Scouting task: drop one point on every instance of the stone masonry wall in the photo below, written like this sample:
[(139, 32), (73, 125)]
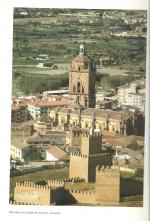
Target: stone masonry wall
[(95, 160), (83, 196), (29, 193), (130, 187), (91, 144), (107, 188), (78, 166)]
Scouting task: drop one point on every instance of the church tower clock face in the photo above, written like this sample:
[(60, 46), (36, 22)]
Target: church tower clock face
[(82, 80)]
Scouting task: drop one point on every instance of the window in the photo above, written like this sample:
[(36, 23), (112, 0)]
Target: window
[(74, 88), (85, 101), (79, 68), (82, 89), (78, 87)]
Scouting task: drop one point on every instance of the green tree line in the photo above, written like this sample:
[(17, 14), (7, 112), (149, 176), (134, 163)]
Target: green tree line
[(34, 84), (37, 84), (108, 82)]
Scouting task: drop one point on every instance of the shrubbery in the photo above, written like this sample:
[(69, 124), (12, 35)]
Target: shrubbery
[(34, 84)]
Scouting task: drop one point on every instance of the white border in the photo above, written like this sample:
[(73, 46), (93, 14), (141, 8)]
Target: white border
[(67, 213)]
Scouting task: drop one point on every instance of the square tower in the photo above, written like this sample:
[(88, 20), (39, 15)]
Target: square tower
[(107, 185), (84, 164), (91, 143), (82, 80)]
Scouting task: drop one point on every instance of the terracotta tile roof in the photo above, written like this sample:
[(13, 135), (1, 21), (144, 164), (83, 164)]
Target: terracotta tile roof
[(57, 152), (48, 103), (106, 114)]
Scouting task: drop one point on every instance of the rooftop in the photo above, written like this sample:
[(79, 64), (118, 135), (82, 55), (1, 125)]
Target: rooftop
[(57, 152), (125, 140), (47, 103), (18, 143), (76, 129), (106, 114), (82, 58)]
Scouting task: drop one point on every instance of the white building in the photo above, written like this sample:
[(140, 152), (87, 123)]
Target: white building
[(135, 99), (42, 57), (100, 95), (132, 94), (55, 153), (38, 108), (18, 148)]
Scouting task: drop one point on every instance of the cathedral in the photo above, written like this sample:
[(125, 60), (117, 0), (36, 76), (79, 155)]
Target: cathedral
[(81, 107)]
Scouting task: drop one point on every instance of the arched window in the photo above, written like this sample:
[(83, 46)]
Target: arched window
[(74, 88), (82, 89), (78, 87)]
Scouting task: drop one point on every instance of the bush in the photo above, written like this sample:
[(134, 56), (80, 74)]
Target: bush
[(34, 84), (32, 154)]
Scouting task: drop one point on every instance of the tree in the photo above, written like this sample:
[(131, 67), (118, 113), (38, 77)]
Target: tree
[(33, 154)]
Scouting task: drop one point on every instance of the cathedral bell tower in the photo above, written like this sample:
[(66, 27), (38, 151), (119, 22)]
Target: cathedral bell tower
[(82, 80)]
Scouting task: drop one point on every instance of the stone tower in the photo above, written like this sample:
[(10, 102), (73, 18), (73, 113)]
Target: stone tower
[(84, 164), (82, 80), (107, 185)]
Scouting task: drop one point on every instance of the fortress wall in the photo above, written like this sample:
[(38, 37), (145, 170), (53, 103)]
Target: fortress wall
[(107, 188), (58, 196), (29, 193), (130, 187), (78, 166), (55, 183), (83, 196), (95, 160), (61, 183)]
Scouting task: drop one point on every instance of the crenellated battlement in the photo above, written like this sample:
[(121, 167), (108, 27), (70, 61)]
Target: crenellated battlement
[(130, 180), (82, 192), (87, 134), (74, 180), (55, 183), (107, 169), (100, 155), (32, 185), (79, 155), (24, 203), (61, 183)]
